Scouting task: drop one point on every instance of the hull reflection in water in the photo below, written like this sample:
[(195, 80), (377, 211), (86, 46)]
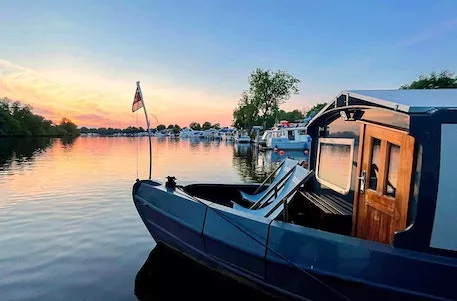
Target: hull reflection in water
[(168, 275)]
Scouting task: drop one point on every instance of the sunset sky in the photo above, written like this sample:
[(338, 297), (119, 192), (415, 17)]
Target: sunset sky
[(81, 59)]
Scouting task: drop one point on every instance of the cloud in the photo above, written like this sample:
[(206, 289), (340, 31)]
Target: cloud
[(92, 99), (431, 33)]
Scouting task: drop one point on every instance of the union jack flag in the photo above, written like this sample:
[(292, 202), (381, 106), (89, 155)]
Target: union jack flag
[(137, 101)]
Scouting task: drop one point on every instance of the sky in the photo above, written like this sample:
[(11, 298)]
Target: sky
[(81, 59)]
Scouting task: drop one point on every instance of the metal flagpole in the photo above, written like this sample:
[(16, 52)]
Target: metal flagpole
[(149, 132)]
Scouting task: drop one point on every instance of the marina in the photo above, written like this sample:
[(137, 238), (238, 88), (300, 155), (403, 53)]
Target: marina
[(221, 150)]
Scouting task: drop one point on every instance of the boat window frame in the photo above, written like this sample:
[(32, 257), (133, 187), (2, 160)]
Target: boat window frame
[(337, 141)]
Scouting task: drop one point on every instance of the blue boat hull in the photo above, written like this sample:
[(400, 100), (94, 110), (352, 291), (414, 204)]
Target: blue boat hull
[(289, 260)]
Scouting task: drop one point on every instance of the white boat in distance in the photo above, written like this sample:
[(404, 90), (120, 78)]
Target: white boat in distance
[(186, 133), (242, 137), (288, 138)]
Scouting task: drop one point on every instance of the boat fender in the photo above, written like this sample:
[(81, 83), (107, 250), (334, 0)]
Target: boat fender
[(306, 151), (170, 183), (275, 149), (281, 153)]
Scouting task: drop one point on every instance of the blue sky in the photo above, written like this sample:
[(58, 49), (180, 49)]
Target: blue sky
[(206, 49)]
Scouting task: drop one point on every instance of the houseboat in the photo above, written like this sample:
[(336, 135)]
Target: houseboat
[(241, 136), (186, 133), (288, 138), (372, 216), (196, 134)]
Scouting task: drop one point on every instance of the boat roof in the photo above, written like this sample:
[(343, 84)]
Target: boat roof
[(408, 101)]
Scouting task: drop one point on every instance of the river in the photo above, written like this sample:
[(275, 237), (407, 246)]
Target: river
[(68, 226)]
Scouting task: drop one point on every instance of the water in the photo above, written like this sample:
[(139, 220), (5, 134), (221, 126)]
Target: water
[(68, 226)]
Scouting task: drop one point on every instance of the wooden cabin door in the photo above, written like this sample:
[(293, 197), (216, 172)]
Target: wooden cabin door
[(384, 183)]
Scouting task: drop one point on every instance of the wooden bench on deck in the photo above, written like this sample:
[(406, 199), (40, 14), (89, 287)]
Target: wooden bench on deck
[(330, 212)]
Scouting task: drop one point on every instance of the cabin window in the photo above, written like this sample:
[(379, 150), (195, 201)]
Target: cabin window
[(301, 132), (334, 163), (291, 135), (392, 172), (374, 168)]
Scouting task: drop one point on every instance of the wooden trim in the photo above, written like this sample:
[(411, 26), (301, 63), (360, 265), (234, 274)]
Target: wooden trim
[(395, 208), (394, 129), (404, 186), (357, 175)]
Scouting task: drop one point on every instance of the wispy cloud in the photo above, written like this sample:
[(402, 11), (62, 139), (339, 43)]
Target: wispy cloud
[(90, 99), (430, 33)]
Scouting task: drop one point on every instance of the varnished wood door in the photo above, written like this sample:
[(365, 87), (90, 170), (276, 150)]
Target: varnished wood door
[(384, 184)]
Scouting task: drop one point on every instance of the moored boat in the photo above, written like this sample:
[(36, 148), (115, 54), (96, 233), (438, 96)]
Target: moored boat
[(242, 136), (288, 138), (381, 228), (185, 133)]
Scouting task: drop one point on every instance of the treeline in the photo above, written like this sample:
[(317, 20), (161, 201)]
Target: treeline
[(111, 131), (193, 125), (205, 126), (17, 119)]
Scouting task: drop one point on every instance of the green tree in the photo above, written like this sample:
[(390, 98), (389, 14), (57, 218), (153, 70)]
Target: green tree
[(195, 126), (315, 109), (161, 127), (170, 126), (443, 80), (69, 128), (291, 116), (217, 126), (206, 125), (246, 114), (176, 129), (267, 91), (17, 119)]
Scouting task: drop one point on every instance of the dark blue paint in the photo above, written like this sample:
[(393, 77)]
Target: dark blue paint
[(348, 260)]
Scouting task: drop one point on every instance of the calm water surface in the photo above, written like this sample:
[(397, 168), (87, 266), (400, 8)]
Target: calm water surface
[(68, 226)]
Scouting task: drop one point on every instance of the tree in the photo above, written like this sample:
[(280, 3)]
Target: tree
[(315, 109), (206, 125), (195, 126), (217, 126), (68, 127), (443, 80), (246, 114), (291, 116), (160, 127), (17, 119), (170, 126), (267, 91), (176, 129)]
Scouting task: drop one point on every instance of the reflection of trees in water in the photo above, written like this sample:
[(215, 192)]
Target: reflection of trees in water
[(22, 150), (254, 166), (68, 141), (244, 160)]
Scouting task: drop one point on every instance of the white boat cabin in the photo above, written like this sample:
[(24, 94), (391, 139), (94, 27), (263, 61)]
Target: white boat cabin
[(287, 138), (385, 168)]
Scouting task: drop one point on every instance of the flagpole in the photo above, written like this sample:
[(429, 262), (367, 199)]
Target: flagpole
[(149, 132)]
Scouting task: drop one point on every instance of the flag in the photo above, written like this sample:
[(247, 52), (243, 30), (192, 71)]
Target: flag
[(138, 100)]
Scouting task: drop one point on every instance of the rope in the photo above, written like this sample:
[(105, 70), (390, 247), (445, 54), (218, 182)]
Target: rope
[(339, 294)]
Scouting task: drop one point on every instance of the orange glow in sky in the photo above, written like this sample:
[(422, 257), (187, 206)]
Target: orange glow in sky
[(94, 101)]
